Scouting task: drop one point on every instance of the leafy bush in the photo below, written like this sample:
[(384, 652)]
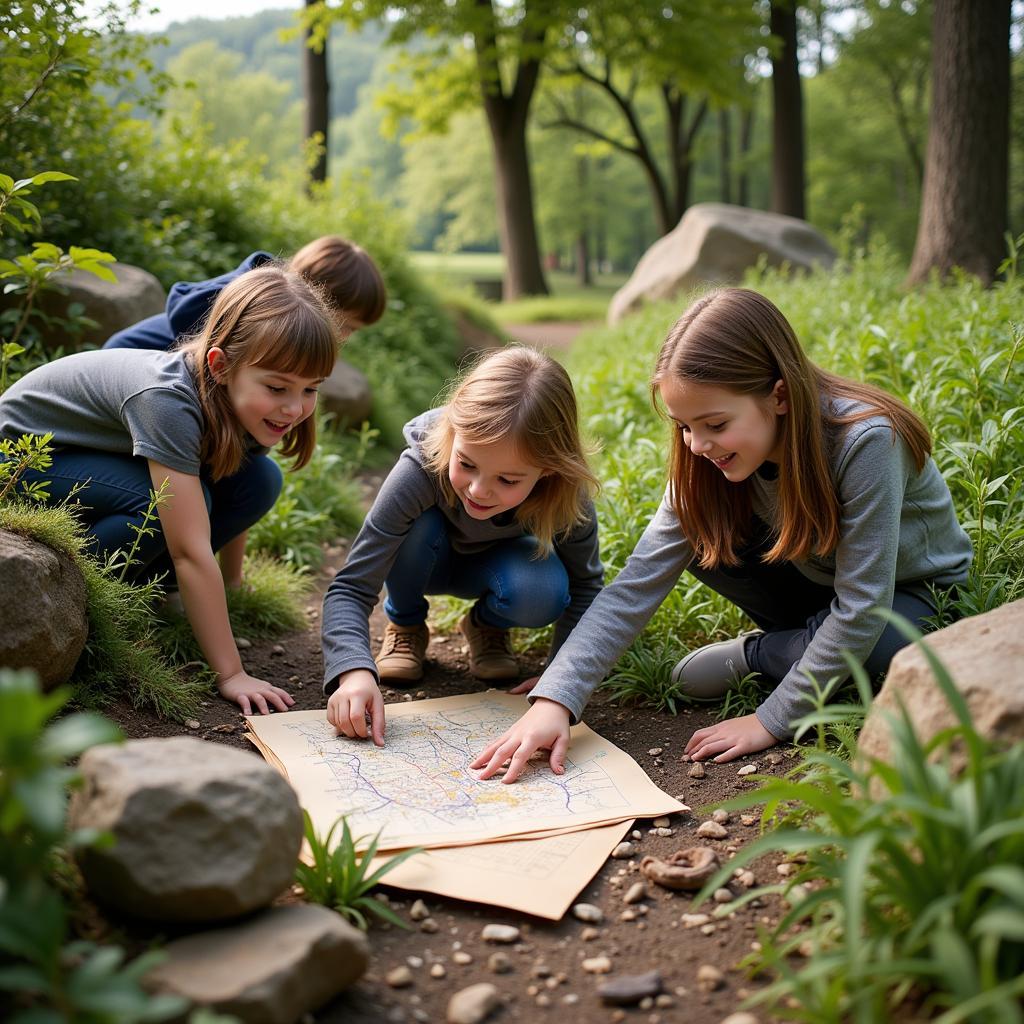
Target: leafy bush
[(45, 977), (912, 894)]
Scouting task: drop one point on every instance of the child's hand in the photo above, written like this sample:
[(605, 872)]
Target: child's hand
[(356, 696), (526, 685), (729, 739), (246, 690), (544, 727)]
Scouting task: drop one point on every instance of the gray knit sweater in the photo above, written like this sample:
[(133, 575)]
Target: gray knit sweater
[(406, 493), (898, 527)]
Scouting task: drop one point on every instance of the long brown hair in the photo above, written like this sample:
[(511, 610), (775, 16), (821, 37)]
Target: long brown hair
[(523, 395), (269, 317), (738, 340)]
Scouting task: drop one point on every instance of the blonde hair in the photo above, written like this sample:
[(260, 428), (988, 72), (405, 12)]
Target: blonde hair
[(348, 274), (738, 340), (270, 317), (522, 395)]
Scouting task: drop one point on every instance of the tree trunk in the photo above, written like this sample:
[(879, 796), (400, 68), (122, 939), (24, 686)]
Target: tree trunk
[(788, 115), (725, 154), (316, 87), (964, 198), (746, 138), (583, 277)]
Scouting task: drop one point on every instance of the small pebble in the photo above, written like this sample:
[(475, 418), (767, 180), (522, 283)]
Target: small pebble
[(192, 724), (418, 911), (499, 963), (624, 851), (773, 757), (597, 965), (721, 816), (429, 925), (631, 989), (723, 895), (540, 970), (242, 644), (438, 971), (708, 929), (709, 978), (697, 770), (654, 751), (636, 892), (460, 956), (664, 831), (712, 830), (747, 769), (740, 1018), (785, 868), (628, 915), (588, 912), (570, 999), (399, 977), (500, 933), (589, 934), (662, 822), (543, 999), (748, 819), (637, 834), (694, 920), (277, 650), (747, 879), (414, 961), (664, 1001), (472, 1005)]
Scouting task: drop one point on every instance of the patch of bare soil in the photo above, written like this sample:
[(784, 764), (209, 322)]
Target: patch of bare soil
[(541, 976)]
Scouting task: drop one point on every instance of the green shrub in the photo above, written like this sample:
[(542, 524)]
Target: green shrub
[(912, 894), (45, 976)]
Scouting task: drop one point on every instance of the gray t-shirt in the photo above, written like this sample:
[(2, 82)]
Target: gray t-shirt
[(898, 527), (129, 401), (406, 493)]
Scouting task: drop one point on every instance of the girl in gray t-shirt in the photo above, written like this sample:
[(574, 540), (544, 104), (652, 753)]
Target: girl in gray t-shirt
[(806, 499), (196, 423)]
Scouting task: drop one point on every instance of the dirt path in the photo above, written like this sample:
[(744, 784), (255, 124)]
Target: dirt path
[(546, 335), (545, 977)]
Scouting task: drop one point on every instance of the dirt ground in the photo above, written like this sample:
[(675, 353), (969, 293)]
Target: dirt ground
[(544, 977)]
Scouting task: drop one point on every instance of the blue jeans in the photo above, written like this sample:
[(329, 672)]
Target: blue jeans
[(115, 491), (512, 587), (790, 609)]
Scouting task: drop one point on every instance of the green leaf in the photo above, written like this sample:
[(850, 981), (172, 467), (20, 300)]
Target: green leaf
[(47, 176), (70, 736)]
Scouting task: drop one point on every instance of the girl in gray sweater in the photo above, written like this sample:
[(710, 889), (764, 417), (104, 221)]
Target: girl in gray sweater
[(807, 499)]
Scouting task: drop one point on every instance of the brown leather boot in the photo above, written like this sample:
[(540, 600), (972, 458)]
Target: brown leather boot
[(402, 652), (490, 656)]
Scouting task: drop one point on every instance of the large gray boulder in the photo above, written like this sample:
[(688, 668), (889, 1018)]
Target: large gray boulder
[(113, 305), (270, 969), (984, 655), (347, 394), (202, 832), (715, 243), (43, 622)]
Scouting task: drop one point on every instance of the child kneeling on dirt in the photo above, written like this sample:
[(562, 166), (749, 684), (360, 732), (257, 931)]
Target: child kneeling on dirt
[(492, 500)]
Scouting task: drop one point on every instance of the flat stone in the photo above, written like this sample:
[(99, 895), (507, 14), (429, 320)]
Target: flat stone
[(272, 968), (712, 830), (597, 965), (694, 920), (740, 1018), (624, 851), (630, 989), (202, 832), (500, 933), (588, 912), (747, 769), (473, 1004), (697, 770)]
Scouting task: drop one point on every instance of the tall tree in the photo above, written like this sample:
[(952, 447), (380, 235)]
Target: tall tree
[(677, 54), (788, 183), (486, 53), (964, 199), (316, 87)]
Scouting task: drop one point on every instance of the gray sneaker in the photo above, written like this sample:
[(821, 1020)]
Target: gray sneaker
[(714, 669)]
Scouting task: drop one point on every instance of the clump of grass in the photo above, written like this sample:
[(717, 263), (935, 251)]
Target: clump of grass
[(121, 659), (337, 877), (912, 894)]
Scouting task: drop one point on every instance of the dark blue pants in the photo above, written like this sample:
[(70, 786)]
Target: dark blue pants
[(153, 333), (114, 492), (790, 609), (512, 587)]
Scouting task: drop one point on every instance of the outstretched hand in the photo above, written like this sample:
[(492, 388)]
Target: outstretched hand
[(725, 741), (544, 727), (356, 698), (247, 692)]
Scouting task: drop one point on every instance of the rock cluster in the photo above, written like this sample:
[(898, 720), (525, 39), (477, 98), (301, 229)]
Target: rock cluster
[(209, 835)]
